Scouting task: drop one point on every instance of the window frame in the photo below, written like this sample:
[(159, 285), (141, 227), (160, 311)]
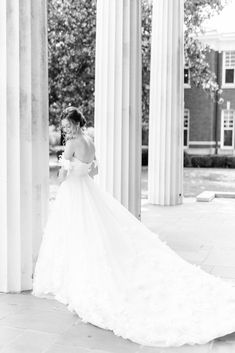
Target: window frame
[(225, 84), (187, 85), (187, 129), (222, 146)]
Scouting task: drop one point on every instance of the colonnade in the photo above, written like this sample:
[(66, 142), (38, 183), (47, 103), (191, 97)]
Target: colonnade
[(24, 172)]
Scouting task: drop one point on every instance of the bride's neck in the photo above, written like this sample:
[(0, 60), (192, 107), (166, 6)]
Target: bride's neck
[(77, 134)]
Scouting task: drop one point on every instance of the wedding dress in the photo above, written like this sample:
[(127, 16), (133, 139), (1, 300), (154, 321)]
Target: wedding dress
[(106, 266)]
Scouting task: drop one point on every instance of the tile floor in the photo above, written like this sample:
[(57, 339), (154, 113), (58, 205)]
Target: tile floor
[(202, 233)]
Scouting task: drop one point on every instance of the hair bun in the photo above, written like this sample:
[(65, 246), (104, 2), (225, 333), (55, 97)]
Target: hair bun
[(74, 115)]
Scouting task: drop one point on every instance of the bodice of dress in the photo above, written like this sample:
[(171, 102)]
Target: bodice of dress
[(75, 166), (79, 168)]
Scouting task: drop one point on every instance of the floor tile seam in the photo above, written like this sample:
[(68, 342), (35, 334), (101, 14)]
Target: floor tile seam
[(35, 331), (75, 346), (38, 331), (48, 347), (13, 340)]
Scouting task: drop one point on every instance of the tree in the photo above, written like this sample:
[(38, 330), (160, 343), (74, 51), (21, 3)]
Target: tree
[(195, 13), (71, 41), (71, 46), (146, 56)]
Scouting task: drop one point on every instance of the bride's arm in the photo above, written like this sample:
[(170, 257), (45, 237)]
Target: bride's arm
[(69, 150), (65, 161)]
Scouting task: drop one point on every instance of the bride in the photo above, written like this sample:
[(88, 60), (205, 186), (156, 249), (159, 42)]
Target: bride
[(106, 266)]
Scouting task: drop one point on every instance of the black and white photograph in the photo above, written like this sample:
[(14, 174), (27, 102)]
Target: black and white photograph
[(117, 177)]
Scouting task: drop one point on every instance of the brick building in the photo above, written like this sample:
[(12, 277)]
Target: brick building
[(209, 127)]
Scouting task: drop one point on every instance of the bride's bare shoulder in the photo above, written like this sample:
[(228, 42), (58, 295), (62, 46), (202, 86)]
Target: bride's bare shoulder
[(69, 149)]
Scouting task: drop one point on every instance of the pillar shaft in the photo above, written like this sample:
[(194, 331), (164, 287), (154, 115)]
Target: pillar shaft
[(118, 99), (166, 104), (23, 175)]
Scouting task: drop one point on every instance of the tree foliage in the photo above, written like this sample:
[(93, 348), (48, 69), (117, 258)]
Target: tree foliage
[(71, 39), (195, 13), (71, 42)]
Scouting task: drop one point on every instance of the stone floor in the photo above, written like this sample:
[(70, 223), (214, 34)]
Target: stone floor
[(202, 233)]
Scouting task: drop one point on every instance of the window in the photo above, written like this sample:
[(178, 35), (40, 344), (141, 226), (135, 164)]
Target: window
[(227, 129), (186, 78), (186, 127), (229, 68)]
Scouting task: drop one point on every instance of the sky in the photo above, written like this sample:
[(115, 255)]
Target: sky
[(225, 21)]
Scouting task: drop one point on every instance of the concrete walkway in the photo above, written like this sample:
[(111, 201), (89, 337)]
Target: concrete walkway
[(202, 233)]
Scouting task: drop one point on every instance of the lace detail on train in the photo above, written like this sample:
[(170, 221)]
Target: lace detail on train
[(105, 265)]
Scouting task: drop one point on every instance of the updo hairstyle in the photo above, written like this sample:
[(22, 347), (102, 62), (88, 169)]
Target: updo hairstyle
[(76, 121), (74, 115)]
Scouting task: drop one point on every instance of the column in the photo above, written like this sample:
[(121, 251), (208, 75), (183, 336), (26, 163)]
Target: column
[(118, 100), (165, 172), (23, 139)]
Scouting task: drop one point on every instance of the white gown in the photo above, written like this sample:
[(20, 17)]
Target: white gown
[(106, 266)]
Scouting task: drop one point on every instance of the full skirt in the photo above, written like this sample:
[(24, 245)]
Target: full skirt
[(106, 266)]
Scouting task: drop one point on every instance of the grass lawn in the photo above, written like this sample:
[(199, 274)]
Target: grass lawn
[(197, 180)]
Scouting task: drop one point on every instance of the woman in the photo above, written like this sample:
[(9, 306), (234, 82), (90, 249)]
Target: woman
[(106, 266)]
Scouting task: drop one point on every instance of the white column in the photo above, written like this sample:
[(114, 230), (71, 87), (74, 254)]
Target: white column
[(166, 104), (118, 99), (24, 146), (40, 116)]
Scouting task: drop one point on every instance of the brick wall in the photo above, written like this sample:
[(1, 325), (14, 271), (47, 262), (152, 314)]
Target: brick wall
[(203, 108)]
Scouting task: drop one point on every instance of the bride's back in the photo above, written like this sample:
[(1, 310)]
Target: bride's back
[(84, 148)]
